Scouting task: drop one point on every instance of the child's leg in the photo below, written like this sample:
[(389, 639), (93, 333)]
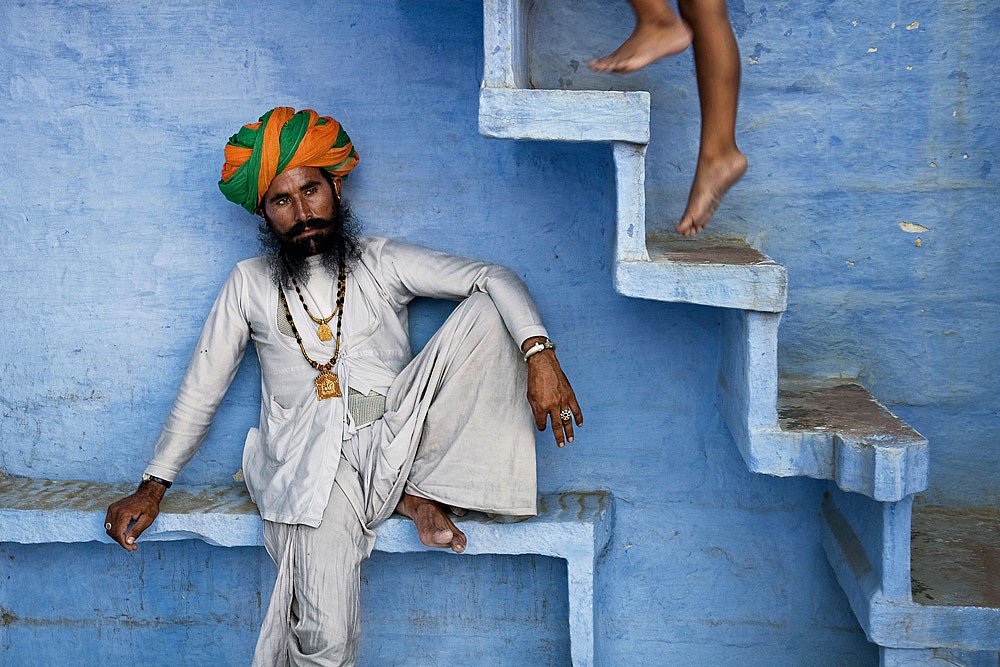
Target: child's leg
[(717, 63), (658, 32)]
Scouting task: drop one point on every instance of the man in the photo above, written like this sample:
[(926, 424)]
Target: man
[(351, 427)]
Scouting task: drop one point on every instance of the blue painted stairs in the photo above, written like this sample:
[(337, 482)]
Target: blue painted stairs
[(824, 429)]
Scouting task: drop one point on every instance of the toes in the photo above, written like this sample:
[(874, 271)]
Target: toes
[(458, 542), (606, 64), (626, 66)]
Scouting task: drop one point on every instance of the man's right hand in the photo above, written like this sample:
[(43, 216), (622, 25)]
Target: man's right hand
[(133, 514)]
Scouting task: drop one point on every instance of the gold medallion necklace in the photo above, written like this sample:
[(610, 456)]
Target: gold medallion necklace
[(327, 383), (323, 332)]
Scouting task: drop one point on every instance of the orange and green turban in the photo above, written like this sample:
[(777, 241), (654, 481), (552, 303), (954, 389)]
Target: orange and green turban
[(282, 139)]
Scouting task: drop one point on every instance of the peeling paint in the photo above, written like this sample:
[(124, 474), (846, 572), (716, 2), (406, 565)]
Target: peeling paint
[(848, 262), (911, 227), (913, 26), (741, 18), (919, 242), (758, 50), (873, 49)]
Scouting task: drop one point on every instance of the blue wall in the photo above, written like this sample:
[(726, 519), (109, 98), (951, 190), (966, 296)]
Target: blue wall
[(115, 240)]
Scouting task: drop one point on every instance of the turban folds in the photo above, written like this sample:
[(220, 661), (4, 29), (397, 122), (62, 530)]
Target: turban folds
[(281, 140)]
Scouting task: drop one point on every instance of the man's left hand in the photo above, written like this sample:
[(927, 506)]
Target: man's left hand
[(550, 395)]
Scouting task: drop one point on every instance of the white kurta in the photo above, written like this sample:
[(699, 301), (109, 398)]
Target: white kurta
[(456, 429), (290, 460)]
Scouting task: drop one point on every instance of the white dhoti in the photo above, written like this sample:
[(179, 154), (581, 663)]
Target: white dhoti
[(457, 429)]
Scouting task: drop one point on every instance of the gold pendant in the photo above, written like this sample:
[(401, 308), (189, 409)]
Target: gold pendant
[(327, 386), (324, 333)]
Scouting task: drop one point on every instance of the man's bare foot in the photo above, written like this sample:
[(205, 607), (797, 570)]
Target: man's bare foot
[(712, 180), (433, 525), (648, 42)]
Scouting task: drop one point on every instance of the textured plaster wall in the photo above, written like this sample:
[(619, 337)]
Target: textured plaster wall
[(115, 240)]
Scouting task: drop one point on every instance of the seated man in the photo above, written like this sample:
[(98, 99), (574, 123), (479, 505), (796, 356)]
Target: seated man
[(352, 427)]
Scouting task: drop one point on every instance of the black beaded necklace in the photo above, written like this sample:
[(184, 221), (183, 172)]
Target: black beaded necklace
[(327, 383), (323, 332)]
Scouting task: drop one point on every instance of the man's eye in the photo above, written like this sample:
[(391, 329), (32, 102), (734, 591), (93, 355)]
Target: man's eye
[(311, 191)]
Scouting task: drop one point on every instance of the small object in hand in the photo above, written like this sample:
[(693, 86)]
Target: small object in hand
[(566, 415)]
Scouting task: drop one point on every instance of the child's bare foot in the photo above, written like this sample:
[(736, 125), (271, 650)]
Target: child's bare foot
[(648, 42), (712, 180), (433, 525)]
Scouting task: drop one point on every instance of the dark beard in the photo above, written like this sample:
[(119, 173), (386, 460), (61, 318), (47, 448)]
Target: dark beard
[(337, 247)]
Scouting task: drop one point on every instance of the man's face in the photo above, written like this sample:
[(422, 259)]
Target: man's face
[(300, 206)]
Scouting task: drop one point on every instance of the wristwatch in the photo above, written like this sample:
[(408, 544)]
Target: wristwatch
[(146, 477)]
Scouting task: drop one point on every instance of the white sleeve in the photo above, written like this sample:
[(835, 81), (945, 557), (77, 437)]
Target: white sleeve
[(211, 370), (412, 271)]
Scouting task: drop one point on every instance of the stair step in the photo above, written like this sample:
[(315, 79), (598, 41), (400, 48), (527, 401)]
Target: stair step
[(842, 407), (871, 450), (888, 558), (955, 557), (711, 271), (564, 115)]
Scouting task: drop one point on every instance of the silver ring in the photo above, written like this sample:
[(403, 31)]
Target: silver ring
[(107, 526), (566, 415)]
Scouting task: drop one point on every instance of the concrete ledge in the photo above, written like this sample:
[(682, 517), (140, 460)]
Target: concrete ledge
[(572, 526), (37, 511), (874, 452), (834, 429), (725, 273), (564, 115)]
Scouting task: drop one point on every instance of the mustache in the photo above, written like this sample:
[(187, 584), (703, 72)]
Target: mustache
[(311, 223), (338, 246)]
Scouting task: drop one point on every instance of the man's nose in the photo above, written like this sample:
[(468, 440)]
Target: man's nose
[(302, 210)]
